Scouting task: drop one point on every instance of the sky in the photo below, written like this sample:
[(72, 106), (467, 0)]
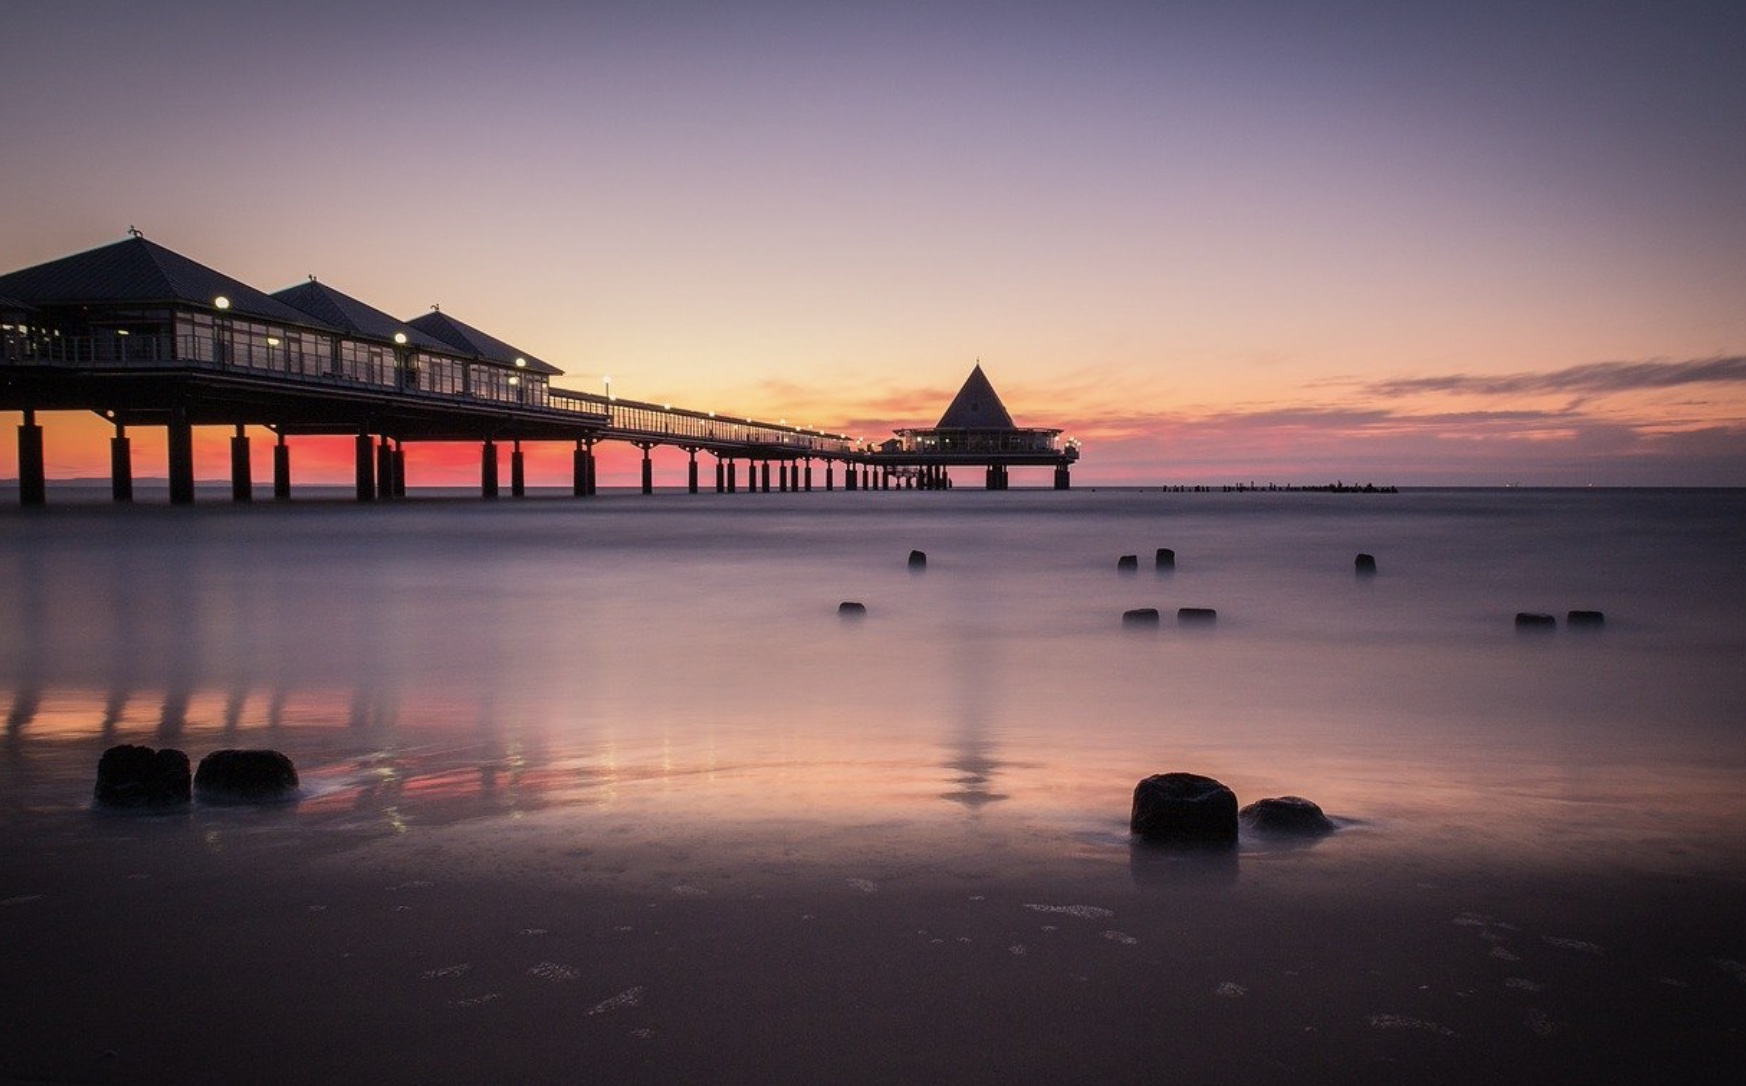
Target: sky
[(1276, 240)]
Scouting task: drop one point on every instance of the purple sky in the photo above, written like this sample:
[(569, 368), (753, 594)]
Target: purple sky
[(1414, 242)]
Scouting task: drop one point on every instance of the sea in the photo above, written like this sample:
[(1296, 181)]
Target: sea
[(612, 789), (675, 657)]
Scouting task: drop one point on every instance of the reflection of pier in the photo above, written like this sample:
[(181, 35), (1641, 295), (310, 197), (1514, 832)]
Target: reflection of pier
[(146, 337)]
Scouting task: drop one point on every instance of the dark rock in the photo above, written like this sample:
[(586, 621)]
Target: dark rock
[(1184, 808), (1535, 622), (851, 609), (1585, 620), (918, 560), (1128, 563), (1286, 815), (245, 776), (130, 776), (1364, 563), (1166, 558), (1140, 616), (1196, 616)]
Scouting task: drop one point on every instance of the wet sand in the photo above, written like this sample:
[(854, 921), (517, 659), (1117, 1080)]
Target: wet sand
[(262, 945)]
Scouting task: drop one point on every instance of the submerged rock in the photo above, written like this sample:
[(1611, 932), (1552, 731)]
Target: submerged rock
[(1166, 558), (1184, 808), (918, 560), (1140, 616), (132, 776), (246, 776), (1585, 620), (1291, 815), (1364, 563), (1534, 621), (852, 609)]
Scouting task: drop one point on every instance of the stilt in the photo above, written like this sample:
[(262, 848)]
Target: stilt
[(691, 471), (399, 469), (121, 465), (242, 483), (766, 487), (579, 472), (366, 467), (830, 475), (809, 476), (384, 470), (181, 459), (720, 475), (593, 467), (281, 470), (488, 469), (1063, 480), (782, 477), (648, 468), (517, 471), (32, 474)]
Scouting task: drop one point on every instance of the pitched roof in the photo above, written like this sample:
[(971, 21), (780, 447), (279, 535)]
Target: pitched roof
[(976, 407), (135, 270), (347, 313), (469, 340)]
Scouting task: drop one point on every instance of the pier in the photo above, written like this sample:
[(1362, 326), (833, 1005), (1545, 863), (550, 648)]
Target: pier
[(146, 337)]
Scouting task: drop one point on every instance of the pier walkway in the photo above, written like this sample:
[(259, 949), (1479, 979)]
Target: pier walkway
[(146, 337)]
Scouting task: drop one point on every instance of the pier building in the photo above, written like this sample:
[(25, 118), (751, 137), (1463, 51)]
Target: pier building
[(146, 337)]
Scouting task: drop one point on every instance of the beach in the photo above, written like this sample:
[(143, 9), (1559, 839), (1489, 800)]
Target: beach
[(607, 790)]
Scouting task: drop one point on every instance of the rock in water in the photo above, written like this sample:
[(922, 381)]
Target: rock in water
[(1196, 616), (1140, 616), (130, 776), (852, 609), (1166, 558), (918, 560), (1585, 620), (1364, 563), (1184, 808), (245, 776), (1128, 563), (1534, 622), (1291, 815)]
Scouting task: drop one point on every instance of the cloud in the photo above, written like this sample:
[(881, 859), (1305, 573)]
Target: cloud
[(1594, 377)]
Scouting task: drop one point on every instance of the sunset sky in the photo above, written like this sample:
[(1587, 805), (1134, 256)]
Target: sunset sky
[(1416, 243)]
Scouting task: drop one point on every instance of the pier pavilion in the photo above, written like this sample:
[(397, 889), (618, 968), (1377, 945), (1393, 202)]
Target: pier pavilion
[(977, 430), (146, 337)]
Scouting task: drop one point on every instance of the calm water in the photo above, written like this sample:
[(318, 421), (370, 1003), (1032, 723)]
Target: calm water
[(651, 663)]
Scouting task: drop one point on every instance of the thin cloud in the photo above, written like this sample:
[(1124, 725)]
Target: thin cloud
[(1604, 377)]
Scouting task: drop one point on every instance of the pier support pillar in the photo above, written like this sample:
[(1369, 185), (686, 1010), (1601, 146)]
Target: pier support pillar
[(181, 459), (848, 476), (691, 472), (281, 470), (488, 469), (648, 469), (32, 473), (121, 465), (1063, 480), (517, 472), (782, 477), (399, 470), (733, 485), (365, 463), (720, 476), (579, 472), (766, 486), (384, 470), (809, 476), (830, 475), (242, 482)]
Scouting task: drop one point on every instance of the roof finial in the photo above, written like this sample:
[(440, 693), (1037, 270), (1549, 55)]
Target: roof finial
[(312, 277), (436, 308), (134, 231)]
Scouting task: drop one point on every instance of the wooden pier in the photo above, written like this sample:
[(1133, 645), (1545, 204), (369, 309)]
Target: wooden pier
[(146, 337)]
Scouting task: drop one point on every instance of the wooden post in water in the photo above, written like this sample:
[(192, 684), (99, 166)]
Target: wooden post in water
[(121, 465)]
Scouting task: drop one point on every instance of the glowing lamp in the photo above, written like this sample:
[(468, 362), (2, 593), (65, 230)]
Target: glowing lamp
[(221, 302)]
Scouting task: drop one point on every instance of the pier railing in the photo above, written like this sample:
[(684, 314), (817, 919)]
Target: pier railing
[(618, 419)]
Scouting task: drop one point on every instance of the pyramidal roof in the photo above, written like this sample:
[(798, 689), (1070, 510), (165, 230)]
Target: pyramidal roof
[(345, 312), (135, 270), (469, 340), (976, 407)]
